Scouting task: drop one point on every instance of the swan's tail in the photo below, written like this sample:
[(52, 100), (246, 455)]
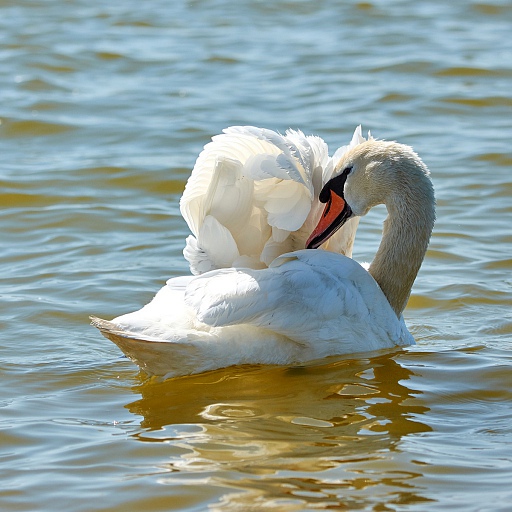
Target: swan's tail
[(107, 328), (153, 356)]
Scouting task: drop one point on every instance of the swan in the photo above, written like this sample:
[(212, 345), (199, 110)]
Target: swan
[(306, 304)]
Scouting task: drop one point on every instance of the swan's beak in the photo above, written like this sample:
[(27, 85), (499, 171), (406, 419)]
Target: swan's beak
[(336, 213)]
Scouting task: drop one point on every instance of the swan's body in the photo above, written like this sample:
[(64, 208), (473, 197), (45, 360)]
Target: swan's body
[(307, 304), (295, 311)]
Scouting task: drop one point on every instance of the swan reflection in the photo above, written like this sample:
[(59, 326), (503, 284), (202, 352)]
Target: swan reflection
[(316, 434)]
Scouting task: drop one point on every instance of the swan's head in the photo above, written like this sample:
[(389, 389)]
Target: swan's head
[(373, 172)]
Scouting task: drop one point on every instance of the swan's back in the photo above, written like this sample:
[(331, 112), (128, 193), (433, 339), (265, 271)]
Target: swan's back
[(253, 195)]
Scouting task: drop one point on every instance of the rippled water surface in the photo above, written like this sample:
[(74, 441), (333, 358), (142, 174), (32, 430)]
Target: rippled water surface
[(104, 108)]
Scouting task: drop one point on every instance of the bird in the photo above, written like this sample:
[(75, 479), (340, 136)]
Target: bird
[(307, 303)]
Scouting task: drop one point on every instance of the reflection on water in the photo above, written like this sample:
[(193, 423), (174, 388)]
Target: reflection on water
[(388, 430), (316, 434)]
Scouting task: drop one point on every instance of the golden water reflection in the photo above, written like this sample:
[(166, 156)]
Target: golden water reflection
[(315, 435)]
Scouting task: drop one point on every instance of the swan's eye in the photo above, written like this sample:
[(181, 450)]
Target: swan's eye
[(337, 184)]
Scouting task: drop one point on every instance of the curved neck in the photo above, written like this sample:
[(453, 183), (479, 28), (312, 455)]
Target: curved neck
[(405, 237)]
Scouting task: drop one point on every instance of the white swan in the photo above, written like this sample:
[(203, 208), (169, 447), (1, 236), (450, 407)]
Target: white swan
[(307, 304)]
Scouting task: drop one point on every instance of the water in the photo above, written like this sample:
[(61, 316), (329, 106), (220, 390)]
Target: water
[(104, 110)]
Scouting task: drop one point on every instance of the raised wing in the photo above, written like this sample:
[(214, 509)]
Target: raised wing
[(249, 189), (253, 195)]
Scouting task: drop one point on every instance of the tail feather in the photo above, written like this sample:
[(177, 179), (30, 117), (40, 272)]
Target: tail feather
[(110, 329), (153, 356)]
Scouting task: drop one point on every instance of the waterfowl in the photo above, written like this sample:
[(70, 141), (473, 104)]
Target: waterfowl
[(307, 304)]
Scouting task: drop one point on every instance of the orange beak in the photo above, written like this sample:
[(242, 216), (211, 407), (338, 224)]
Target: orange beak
[(335, 214)]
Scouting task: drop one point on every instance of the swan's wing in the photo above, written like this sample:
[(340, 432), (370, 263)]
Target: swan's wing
[(288, 163), (217, 247), (217, 187), (258, 185), (309, 296)]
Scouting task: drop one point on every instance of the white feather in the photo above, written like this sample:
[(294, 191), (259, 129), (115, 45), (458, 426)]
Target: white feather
[(261, 186)]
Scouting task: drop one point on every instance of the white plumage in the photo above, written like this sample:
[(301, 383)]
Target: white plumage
[(294, 311), (253, 195), (257, 295)]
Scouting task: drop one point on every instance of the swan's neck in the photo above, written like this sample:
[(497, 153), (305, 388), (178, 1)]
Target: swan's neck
[(405, 237)]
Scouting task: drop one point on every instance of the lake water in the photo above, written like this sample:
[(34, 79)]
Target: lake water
[(104, 108)]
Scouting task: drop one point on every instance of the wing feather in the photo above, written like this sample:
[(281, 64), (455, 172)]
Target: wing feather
[(260, 186), (298, 296)]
